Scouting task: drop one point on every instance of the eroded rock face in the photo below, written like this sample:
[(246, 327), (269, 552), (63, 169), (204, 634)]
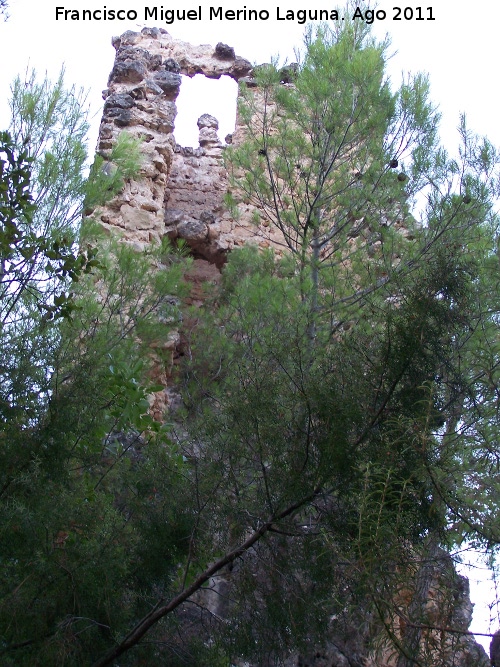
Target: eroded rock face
[(495, 650), (349, 640)]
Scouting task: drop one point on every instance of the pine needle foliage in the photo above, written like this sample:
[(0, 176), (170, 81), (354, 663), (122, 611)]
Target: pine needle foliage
[(87, 532)]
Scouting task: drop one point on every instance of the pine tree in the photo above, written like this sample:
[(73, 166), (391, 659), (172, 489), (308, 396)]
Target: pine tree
[(329, 389), (82, 498)]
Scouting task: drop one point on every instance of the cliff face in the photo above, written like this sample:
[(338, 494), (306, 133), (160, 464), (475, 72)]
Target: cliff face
[(180, 193), (448, 605)]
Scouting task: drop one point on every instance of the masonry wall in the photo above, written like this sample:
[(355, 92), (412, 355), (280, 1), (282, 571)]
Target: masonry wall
[(180, 190)]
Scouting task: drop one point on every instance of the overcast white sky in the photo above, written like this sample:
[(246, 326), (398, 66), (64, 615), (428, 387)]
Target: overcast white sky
[(459, 50)]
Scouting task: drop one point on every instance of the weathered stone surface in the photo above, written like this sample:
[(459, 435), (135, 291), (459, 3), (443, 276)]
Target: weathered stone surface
[(141, 94), (192, 230), (152, 32), (202, 277), (125, 53), (169, 82), (224, 52), (136, 218), (241, 68), (172, 65), (289, 72), (121, 117), (131, 71), (207, 217), (130, 37), (155, 61), (120, 100), (249, 81), (208, 135), (207, 121), (173, 216)]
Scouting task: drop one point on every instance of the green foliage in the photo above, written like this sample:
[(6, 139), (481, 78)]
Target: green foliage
[(93, 513), (340, 402), (336, 398), (44, 188), (356, 424), (349, 373), (15, 196), (107, 175), (49, 123)]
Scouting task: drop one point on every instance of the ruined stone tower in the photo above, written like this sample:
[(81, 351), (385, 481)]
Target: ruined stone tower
[(180, 190)]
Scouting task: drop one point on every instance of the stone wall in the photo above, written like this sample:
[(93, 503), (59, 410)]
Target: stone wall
[(180, 190)]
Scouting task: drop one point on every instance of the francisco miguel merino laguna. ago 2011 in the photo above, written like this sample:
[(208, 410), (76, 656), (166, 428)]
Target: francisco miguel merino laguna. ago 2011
[(301, 16)]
